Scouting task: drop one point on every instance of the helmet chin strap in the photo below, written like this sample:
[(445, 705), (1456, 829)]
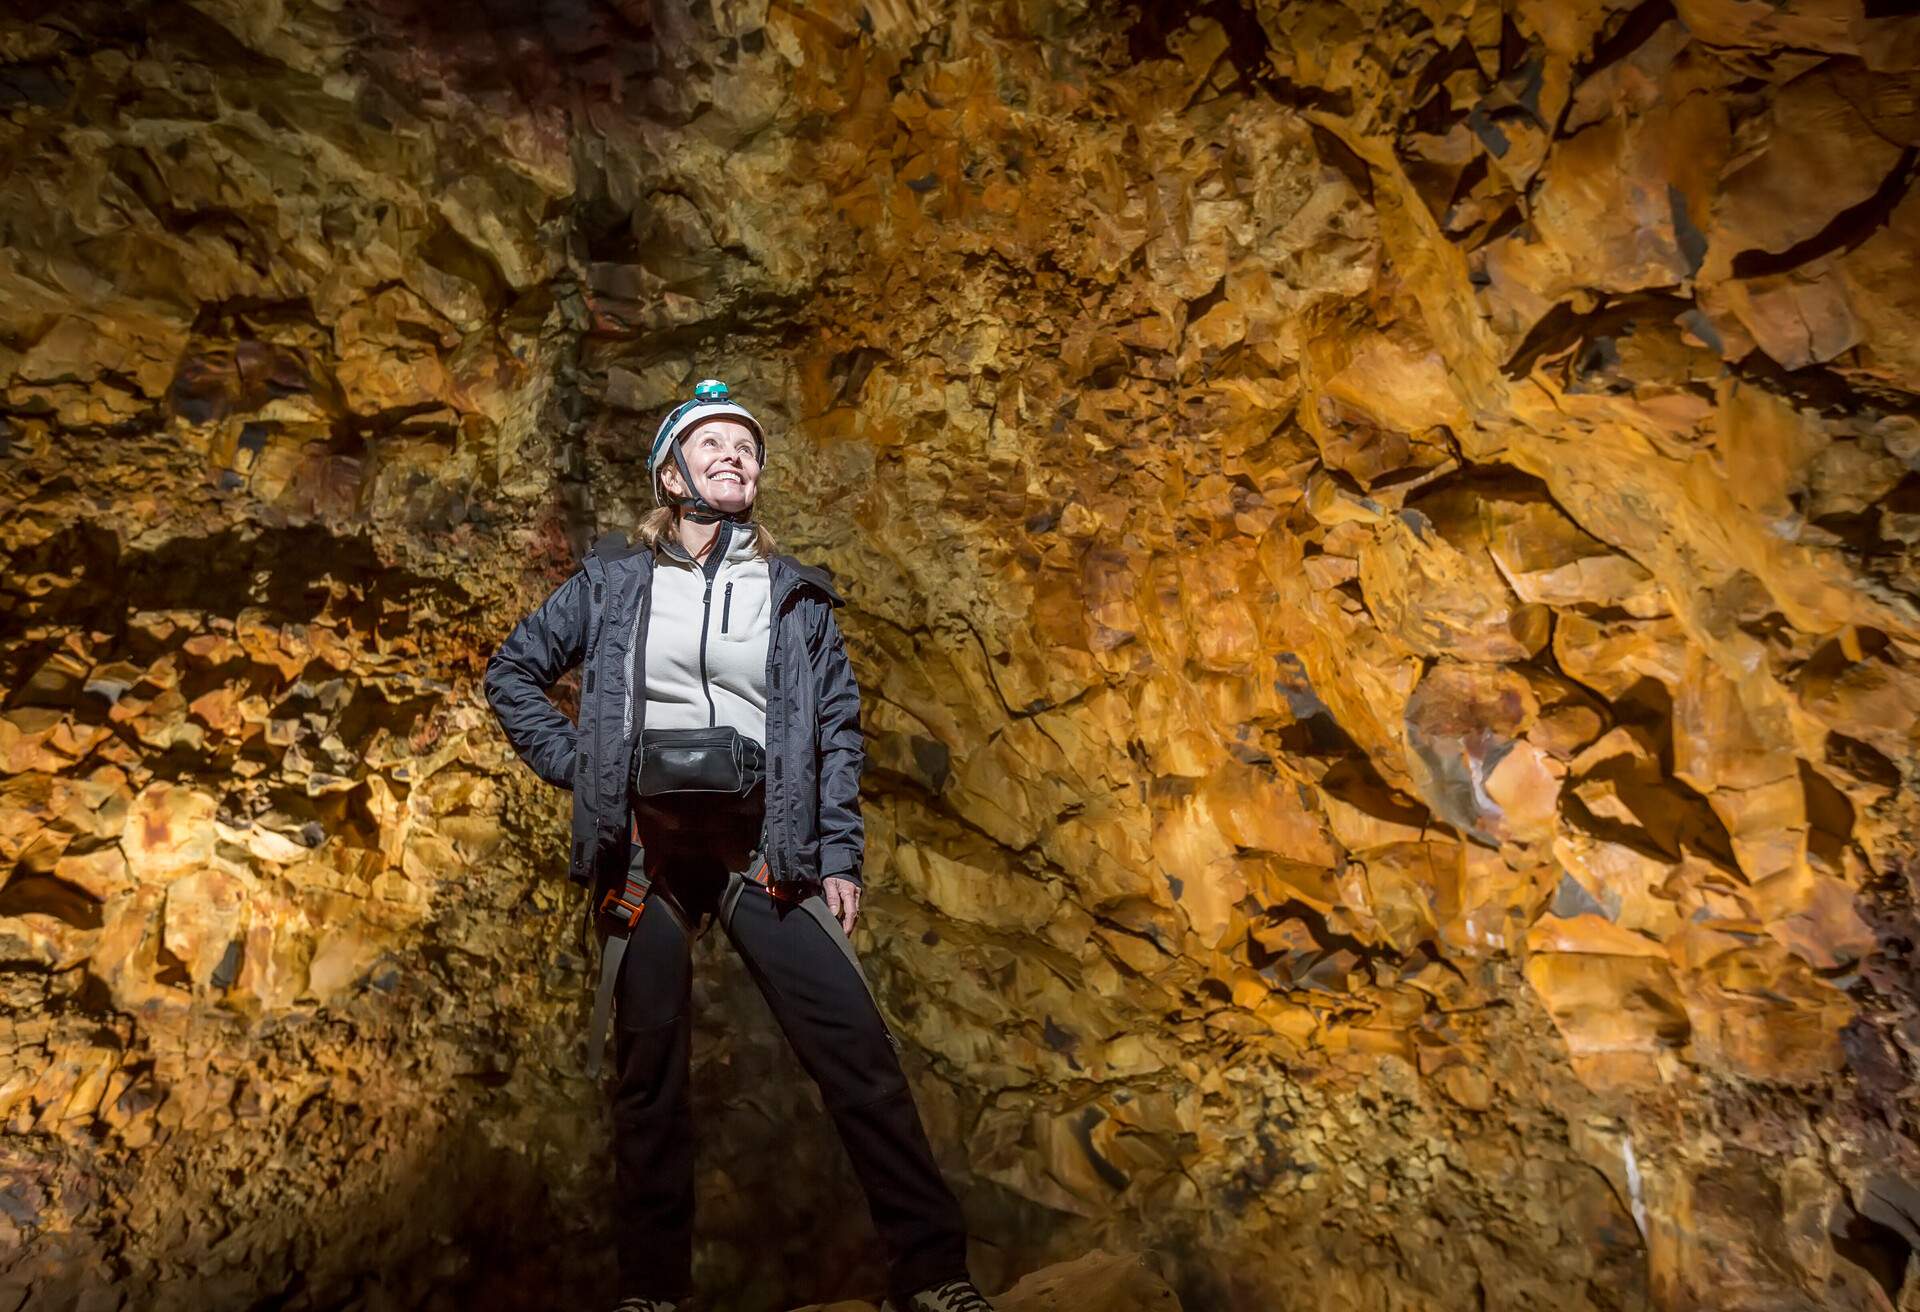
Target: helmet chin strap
[(697, 508)]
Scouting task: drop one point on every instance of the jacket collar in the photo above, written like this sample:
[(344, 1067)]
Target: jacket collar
[(609, 547), (795, 574), (739, 548), (784, 572)]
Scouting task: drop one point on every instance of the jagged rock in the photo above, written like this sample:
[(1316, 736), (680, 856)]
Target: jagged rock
[(1380, 543)]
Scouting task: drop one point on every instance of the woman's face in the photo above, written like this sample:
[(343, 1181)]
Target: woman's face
[(721, 456)]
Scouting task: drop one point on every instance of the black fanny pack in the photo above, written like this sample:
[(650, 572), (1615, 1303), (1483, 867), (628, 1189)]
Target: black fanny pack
[(717, 762)]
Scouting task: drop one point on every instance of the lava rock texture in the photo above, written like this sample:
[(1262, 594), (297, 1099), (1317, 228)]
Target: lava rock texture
[(1380, 538)]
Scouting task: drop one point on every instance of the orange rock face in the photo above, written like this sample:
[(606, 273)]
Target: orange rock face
[(1380, 546)]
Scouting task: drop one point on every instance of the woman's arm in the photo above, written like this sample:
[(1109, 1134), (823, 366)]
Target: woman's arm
[(541, 648), (842, 754)]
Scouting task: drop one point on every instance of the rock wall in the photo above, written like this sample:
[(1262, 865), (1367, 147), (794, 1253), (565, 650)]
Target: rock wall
[(1379, 539)]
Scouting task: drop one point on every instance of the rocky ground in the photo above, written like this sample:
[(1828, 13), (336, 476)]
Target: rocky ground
[(1095, 1282), (1380, 547)]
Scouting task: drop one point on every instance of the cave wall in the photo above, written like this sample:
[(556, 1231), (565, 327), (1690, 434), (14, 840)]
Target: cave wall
[(1378, 539)]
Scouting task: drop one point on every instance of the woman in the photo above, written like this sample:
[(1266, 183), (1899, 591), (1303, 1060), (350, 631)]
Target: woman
[(699, 626)]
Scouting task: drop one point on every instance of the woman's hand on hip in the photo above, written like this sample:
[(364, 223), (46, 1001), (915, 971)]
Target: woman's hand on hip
[(843, 900)]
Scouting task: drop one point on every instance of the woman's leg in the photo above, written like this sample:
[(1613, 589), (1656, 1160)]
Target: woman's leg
[(838, 1034), (652, 1112)]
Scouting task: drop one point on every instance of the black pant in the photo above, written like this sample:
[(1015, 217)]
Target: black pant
[(836, 1031)]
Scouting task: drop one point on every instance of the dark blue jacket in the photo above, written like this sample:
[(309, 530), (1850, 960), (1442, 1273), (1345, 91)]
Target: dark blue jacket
[(598, 618)]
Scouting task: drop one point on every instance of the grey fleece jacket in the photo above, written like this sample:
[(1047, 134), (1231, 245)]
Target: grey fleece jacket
[(706, 658)]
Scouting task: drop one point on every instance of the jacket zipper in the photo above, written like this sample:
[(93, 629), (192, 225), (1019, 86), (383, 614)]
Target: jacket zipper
[(706, 621), (775, 871), (597, 623), (637, 641), (596, 618), (726, 608), (636, 706), (707, 607)]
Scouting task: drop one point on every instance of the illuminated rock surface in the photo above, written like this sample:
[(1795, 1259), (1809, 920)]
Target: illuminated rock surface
[(1096, 1282), (1380, 540)]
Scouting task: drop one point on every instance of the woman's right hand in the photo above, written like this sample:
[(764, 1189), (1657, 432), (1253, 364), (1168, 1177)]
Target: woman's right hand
[(843, 900)]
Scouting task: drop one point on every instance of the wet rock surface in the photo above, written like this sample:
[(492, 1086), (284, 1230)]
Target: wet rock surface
[(1380, 549)]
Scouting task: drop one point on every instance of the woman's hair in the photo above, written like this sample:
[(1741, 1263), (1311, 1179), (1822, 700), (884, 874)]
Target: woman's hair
[(658, 523)]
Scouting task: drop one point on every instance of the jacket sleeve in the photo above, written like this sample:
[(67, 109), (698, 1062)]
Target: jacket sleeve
[(842, 755), (541, 648)]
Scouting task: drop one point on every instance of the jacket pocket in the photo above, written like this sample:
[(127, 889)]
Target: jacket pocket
[(743, 610)]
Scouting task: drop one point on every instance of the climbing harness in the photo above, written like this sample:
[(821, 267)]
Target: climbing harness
[(619, 914)]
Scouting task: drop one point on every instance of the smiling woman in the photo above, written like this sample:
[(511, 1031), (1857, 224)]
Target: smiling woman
[(724, 457), (716, 776), (705, 469)]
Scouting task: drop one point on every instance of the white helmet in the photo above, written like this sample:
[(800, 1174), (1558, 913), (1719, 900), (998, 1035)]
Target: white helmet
[(710, 401)]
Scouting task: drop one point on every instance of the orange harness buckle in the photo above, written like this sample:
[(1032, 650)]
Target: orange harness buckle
[(626, 903), (762, 875)]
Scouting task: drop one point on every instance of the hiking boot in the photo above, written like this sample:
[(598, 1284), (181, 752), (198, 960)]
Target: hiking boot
[(953, 1296), (645, 1305)]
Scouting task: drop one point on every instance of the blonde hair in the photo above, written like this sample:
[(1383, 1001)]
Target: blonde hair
[(658, 523)]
